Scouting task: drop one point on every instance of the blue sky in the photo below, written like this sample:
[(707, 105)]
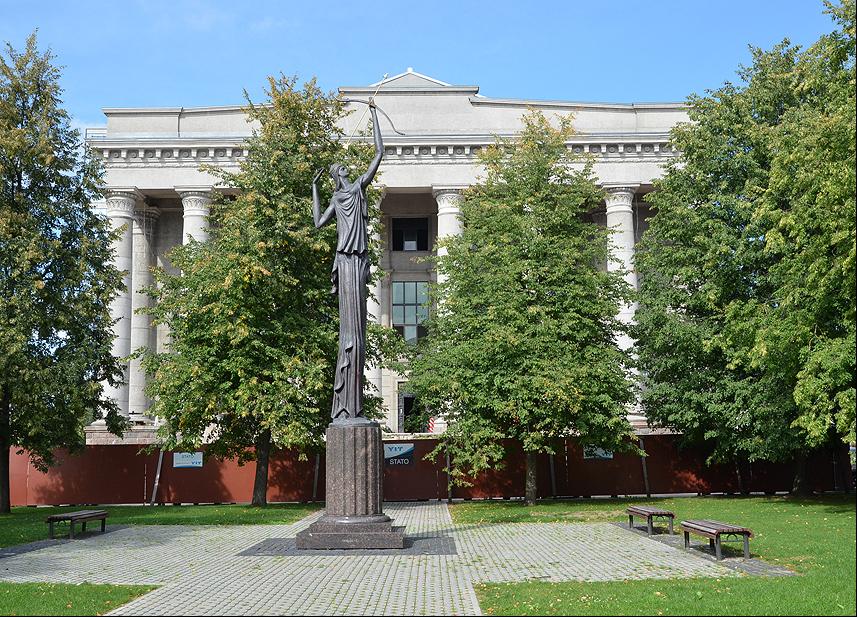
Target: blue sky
[(193, 53)]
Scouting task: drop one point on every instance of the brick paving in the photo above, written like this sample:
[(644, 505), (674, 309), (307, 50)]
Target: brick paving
[(210, 569)]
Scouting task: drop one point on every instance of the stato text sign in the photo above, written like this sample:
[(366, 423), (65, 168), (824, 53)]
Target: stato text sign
[(399, 454)]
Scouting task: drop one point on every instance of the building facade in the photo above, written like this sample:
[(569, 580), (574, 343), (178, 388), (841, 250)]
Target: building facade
[(156, 192)]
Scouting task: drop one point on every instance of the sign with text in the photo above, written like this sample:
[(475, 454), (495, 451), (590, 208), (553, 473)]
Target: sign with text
[(399, 454), (187, 460), (593, 452)]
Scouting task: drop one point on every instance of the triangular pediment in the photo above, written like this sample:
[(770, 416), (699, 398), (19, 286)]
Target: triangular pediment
[(411, 79)]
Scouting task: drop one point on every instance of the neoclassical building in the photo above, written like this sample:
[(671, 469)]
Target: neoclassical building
[(157, 193)]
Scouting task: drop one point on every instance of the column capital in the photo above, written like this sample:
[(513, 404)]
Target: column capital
[(451, 191), (122, 201), (447, 198), (620, 196), (145, 218), (196, 200)]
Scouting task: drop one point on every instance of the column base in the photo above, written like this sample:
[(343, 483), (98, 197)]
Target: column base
[(354, 516), (331, 532)]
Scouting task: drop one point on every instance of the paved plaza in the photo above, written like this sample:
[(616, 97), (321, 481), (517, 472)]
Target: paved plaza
[(213, 569)]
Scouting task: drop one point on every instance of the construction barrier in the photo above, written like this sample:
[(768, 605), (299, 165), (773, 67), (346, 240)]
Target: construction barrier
[(103, 474)]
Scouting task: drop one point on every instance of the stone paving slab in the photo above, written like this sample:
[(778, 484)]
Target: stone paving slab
[(207, 570), (555, 552)]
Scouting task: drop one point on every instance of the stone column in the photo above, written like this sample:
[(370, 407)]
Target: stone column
[(196, 202), (448, 224), (448, 221), (121, 203), (142, 334), (620, 218)]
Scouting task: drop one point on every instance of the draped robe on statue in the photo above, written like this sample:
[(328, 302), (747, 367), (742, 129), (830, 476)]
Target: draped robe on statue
[(350, 275)]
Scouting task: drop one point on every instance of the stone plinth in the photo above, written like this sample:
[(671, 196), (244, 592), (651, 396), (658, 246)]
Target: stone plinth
[(354, 517)]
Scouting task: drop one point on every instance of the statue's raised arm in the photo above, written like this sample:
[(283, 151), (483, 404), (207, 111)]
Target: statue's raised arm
[(379, 149), (318, 218)]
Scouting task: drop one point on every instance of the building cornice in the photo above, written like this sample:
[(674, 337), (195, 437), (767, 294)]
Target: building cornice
[(524, 103), (169, 111), (183, 152)]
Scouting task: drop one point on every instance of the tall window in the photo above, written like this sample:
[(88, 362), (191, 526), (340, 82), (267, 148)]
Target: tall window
[(410, 234), (410, 308)]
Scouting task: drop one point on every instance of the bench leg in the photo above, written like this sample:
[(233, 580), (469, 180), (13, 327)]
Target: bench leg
[(651, 525), (746, 547), (717, 549), (671, 526), (83, 527), (51, 529), (686, 539), (103, 524), (711, 543), (71, 530), (630, 521)]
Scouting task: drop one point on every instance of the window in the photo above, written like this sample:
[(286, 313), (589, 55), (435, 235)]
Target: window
[(410, 308), (410, 234), (412, 419)]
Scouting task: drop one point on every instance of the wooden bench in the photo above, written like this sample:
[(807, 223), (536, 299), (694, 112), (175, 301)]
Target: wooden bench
[(714, 530), (649, 513), (81, 517)]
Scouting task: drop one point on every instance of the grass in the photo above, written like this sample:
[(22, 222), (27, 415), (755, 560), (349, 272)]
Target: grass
[(815, 537), (28, 524), (63, 599)]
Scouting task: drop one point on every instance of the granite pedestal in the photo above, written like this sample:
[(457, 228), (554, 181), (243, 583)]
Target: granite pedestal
[(354, 516)]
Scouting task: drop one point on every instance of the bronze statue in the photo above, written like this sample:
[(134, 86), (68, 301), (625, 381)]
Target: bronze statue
[(354, 515), (350, 275)]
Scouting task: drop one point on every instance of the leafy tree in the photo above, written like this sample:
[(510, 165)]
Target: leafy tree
[(522, 342), (253, 326), (56, 277), (746, 318)]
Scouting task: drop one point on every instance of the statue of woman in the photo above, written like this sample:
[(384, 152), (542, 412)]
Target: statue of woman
[(350, 274)]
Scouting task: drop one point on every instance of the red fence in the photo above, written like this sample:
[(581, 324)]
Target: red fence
[(122, 474)]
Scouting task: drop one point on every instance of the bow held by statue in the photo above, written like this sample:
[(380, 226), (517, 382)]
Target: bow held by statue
[(371, 103)]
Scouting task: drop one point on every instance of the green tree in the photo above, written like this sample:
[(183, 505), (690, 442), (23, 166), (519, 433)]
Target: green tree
[(56, 277), (522, 344), (253, 326), (746, 318)]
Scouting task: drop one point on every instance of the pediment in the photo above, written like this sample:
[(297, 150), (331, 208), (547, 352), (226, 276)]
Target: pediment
[(411, 79)]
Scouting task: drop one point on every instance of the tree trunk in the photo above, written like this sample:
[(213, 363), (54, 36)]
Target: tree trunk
[(5, 445), (531, 485), (260, 484), (800, 486), (742, 488)]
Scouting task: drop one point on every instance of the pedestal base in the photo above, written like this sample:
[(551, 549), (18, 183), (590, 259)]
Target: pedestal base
[(354, 517), (329, 533)]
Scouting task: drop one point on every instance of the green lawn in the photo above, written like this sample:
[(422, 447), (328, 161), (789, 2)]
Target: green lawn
[(52, 599), (28, 524), (815, 537)]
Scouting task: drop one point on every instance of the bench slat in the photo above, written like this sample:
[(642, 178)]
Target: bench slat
[(714, 527), (82, 514), (648, 511)]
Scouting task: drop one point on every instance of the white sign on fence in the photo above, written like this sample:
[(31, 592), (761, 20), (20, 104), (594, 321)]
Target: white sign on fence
[(187, 459), (399, 454)]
